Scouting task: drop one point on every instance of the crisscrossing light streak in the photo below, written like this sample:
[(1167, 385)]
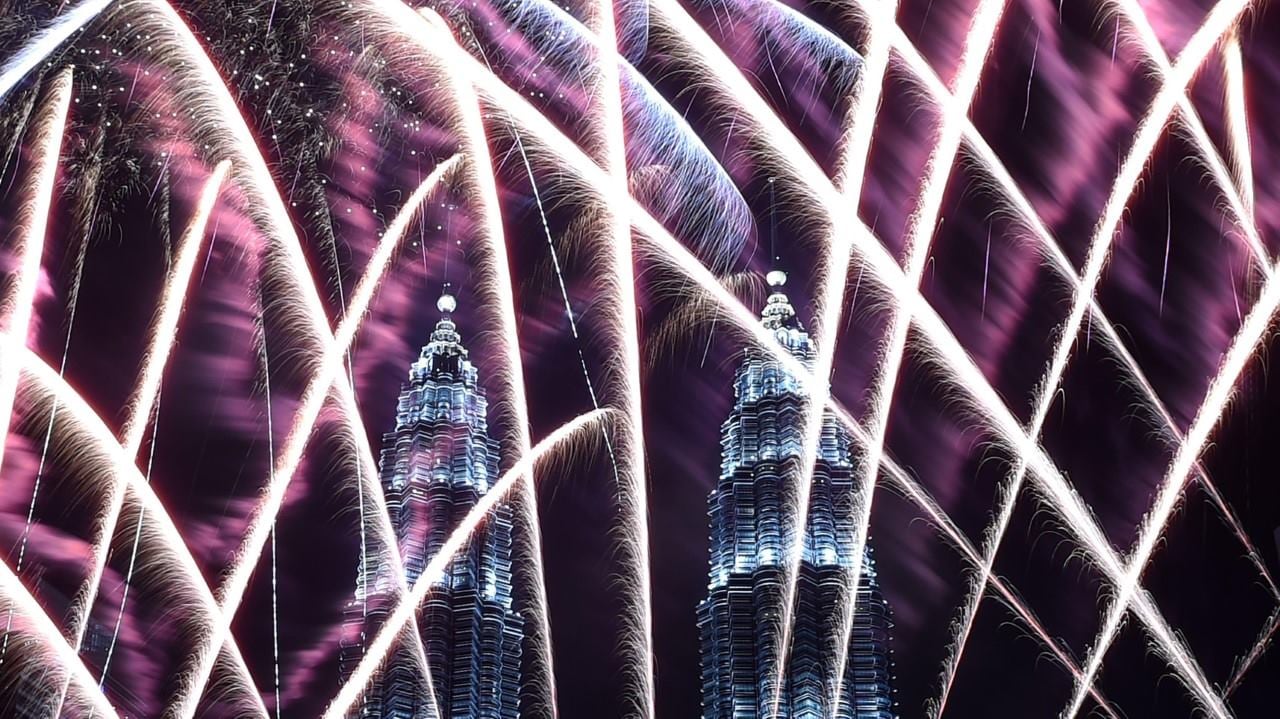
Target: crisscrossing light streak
[(603, 169)]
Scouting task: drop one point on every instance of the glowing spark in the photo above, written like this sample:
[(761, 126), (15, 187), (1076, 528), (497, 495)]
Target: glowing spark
[(43, 44), (404, 611), (329, 370)]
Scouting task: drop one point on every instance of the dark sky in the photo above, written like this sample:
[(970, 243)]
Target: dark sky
[(350, 120)]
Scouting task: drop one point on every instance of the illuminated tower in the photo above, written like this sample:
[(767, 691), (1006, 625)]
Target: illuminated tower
[(435, 465), (739, 621)]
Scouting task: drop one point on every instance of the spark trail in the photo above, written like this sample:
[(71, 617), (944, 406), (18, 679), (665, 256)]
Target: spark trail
[(562, 437), (17, 307), (46, 42), (84, 422), (624, 382), (21, 601), (33, 224), (1238, 122), (329, 370)]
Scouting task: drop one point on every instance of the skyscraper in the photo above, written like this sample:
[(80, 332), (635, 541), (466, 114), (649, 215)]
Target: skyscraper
[(740, 620), (435, 465)]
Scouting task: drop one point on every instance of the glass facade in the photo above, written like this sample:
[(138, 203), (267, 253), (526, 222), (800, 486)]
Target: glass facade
[(740, 619), (435, 465)]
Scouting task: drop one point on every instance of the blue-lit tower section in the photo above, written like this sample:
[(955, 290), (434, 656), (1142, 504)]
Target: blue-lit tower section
[(751, 530), (435, 465)]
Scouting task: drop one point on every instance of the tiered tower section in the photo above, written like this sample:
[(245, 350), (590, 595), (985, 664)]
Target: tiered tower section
[(751, 534), (435, 465)]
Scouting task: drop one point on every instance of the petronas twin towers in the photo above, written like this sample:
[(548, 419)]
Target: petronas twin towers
[(439, 460)]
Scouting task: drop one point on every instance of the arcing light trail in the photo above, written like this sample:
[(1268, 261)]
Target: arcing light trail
[(84, 422), (581, 426), (33, 223), (45, 43), (853, 161), (17, 306), (286, 465), (620, 293)]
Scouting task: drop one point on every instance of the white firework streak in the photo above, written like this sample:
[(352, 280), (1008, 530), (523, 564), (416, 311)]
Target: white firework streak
[(946, 350), (21, 601), (1174, 90), (33, 223), (619, 284), (165, 330), (1256, 652), (480, 175), (328, 373), (581, 426), (1238, 121), (163, 336), (85, 421), (47, 41)]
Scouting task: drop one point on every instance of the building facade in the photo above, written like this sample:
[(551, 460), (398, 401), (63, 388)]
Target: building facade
[(435, 465), (751, 530)]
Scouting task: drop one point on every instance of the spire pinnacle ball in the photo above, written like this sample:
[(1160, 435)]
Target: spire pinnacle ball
[(447, 303), (776, 278)]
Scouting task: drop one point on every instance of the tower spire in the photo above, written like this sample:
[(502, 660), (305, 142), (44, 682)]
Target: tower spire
[(778, 312)]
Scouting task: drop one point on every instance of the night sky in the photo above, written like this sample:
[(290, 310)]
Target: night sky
[(350, 117)]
